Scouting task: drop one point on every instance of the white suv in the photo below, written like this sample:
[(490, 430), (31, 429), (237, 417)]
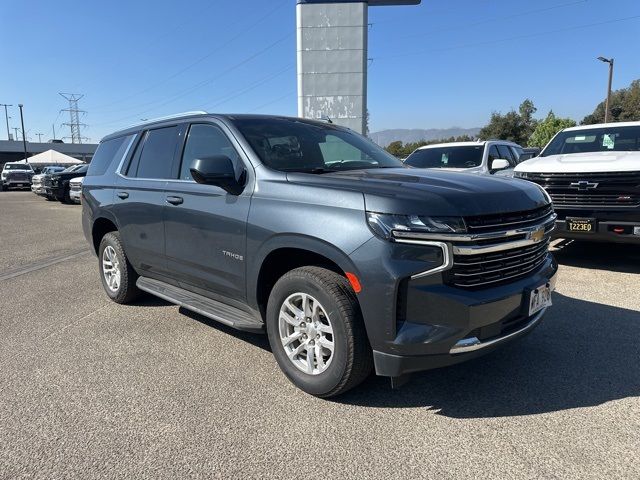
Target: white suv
[(492, 156)]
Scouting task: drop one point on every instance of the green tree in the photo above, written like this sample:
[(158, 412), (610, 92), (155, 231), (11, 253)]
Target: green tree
[(625, 106), (513, 126), (547, 128)]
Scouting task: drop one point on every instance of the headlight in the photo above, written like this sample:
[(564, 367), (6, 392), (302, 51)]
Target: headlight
[(384, 224), (521, 174)]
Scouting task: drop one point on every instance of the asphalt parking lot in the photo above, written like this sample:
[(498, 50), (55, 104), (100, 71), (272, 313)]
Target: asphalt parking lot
[(92, 389)]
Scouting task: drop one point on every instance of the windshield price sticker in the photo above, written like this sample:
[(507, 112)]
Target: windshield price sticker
[(608, 141)]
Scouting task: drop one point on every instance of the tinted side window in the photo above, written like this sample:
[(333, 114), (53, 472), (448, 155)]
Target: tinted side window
[(205, 141), (505, 153), (154, 157), (493, 154), (107, 152)]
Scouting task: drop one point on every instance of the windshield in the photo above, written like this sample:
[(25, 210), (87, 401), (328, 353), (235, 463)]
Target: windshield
[(73, 168), (461, 156), (292, 145), (603, 139), (17, 166)]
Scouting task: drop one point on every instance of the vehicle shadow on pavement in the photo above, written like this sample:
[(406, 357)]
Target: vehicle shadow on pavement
[(255, 339), (623, 258), (583, 354)]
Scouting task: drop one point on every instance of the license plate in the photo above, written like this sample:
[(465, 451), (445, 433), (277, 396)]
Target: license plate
[(540, 298), (585, 225)]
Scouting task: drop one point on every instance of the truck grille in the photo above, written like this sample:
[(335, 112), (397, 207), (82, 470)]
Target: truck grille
[(489, 269), (606, 190), (18, 177)]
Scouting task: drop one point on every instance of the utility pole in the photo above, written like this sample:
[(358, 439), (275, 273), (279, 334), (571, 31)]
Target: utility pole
[(607, 105), (24, 140), (74, 116), (6, 116), (15, 133), (39, 137), (53, 126)]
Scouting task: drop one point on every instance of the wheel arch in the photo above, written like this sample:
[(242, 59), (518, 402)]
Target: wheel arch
[(284, 253), (100, 227)]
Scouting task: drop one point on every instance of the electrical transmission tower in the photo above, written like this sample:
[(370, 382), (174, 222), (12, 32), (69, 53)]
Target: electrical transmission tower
[(74, 116)]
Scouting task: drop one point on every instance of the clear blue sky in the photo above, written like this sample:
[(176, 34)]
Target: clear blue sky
[(443, 63)]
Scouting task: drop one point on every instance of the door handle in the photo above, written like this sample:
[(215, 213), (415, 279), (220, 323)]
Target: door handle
[(123, 195), (175, 200)]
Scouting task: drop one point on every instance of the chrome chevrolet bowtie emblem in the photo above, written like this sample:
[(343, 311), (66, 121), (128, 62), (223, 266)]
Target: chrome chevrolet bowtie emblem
[(584, 185), (537, 236)]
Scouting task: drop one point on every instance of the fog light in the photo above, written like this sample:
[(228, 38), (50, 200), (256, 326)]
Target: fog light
[(636, 230)]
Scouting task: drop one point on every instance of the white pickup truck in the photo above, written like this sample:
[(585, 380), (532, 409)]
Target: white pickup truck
[(592, 174)]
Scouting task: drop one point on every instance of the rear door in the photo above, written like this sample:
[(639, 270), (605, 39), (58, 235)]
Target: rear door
[(206, 226), (140, 198)]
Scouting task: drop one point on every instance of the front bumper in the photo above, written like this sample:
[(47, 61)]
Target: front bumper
[(38, 190), (447, 325), (75, 195), (53, 192)]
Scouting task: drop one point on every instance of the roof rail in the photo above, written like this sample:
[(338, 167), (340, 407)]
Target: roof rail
[(168, 117)]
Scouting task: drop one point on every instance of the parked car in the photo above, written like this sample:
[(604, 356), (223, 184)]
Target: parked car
[(37, 185), (493, 157), (592, 173), (346, 257), (75, 189), (529, 152), (16, 175), (57, 185)]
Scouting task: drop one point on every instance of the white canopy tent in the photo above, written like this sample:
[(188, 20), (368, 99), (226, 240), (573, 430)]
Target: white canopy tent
[(51, 157)]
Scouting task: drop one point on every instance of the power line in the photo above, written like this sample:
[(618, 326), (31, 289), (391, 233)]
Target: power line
[(272, 102), (203, 83), (74, 116), (243, 91), (519, 37), (494, 19), (199, 60)]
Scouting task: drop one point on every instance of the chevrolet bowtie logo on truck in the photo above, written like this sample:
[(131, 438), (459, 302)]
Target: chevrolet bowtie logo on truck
[(584, 185), (538, 235)]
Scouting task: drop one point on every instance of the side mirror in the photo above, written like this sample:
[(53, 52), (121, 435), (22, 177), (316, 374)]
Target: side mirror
[(499, 164), (218, 170)]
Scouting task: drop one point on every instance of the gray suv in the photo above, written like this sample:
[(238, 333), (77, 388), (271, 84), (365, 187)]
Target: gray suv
[(349, 260)]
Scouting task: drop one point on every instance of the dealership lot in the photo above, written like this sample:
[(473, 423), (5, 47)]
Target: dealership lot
[(92, 389)]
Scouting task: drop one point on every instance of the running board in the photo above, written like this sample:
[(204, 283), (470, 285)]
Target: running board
[(218, 311)]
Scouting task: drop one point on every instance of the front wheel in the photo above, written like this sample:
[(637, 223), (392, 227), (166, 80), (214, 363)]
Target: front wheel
[(316, 332), (117, 275)]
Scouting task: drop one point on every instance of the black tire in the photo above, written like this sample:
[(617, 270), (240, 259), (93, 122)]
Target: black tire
[(352, 360), (66, 196), (4, 188), (49, 198), (127, 290)]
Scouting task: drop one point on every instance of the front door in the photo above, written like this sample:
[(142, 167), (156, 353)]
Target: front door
[(205, 226)]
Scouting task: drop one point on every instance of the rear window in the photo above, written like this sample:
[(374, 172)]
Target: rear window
[(107, 152)]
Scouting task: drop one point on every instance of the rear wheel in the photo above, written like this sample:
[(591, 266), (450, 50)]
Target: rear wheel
[(316, 332), (117, 275)]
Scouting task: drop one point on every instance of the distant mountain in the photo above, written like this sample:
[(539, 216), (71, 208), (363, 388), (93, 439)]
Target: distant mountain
[(405, 135)]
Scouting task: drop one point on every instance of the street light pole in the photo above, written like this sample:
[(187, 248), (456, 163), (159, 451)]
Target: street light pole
[(6, 116), (39, 137), (24, 140), (607, 105)]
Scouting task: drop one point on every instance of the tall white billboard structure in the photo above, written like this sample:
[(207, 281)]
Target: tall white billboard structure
[(332, 59)]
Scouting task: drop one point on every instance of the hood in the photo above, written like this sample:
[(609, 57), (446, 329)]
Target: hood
[(67, 175), (431, 192), (593, 162)]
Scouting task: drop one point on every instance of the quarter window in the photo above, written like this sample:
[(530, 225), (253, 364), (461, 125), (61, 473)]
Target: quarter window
[(205, 141), (107, 152)]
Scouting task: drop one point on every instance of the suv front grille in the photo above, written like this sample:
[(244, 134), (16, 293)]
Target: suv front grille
[(607, 190), (507, 220), (489, 269)]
